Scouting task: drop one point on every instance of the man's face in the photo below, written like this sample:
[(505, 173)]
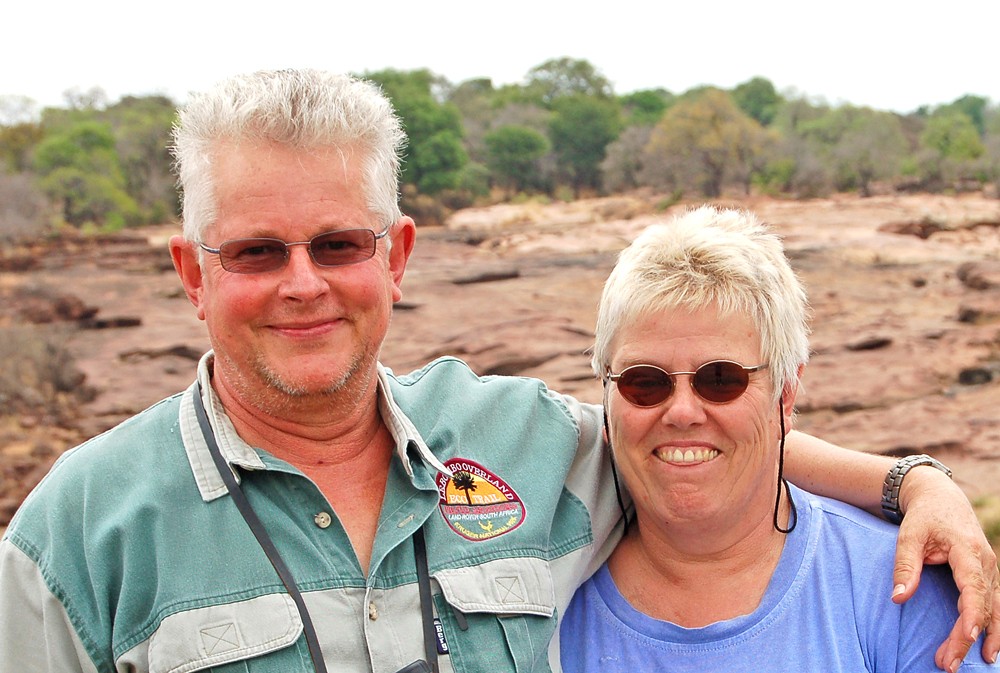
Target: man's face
[(303, 329)]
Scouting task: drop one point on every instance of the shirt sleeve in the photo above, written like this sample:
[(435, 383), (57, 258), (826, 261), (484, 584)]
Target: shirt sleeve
[(35, 630)]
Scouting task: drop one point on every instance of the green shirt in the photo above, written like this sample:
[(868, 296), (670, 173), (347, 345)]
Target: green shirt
[(131, 556)]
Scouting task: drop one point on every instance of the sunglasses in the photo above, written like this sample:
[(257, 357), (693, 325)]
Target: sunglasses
[(332, 248), (719, 381)]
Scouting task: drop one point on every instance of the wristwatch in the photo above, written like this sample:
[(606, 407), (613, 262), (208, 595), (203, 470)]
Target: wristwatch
[(894, 479)]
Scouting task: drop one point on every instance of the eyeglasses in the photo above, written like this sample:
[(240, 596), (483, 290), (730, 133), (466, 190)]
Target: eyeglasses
[(719, 381), (332, 248)]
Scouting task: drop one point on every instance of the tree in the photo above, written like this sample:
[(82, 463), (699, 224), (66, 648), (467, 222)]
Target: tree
[(513, 155), (758, 98), (23, 209), (93, 98), (950, 147), (434, 156), (141, 126), (16, 144), (566, 77), (465, 482), (437, 166), (580, 130), (474, 99), (702, 143), (623, 163), (952, 135), (79, 168), (646, 107), (973, 107), (871, 148)]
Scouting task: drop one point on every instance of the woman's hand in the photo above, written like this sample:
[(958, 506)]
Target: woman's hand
[(940, 526)]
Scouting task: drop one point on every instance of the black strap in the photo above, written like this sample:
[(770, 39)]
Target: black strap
[(426, 606), (261, 534)]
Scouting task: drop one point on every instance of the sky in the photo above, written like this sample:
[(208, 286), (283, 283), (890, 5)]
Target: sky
[(885, 54)]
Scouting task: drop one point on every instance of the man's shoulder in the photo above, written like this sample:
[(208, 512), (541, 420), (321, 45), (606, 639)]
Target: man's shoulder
[(116, 460), (451, 382), (446, 399), (448, 369), (155, 425)]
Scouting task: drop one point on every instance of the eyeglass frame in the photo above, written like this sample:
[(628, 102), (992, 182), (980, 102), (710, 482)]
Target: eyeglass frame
[(218, 251), (614, 378)]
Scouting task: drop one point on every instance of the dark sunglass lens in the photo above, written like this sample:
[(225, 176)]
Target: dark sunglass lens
[(337, 248), (645, 386), (721, 381), (253, 255)]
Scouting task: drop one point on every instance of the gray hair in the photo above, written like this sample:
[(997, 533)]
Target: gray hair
[(304, 109), (705, 256)]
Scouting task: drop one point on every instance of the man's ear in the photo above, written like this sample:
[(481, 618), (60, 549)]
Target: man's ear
[(404, 234), (185, 258)]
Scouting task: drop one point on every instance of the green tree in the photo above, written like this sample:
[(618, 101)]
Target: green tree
[(646, 107), (950, 149), (513, 155), (973, 107), (435, 155), (90, 198), (79, 168), (758, 98), (580, 129), (566, 77), (704, 142), (952, 135), (141, 126)]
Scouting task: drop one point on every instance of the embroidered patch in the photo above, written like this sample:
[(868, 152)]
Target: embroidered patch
[(477, 504)]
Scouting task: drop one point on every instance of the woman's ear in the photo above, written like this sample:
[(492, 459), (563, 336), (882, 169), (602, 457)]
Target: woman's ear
[(788, 395)]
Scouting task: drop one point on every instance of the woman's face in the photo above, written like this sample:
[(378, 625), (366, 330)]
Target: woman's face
[(688, 460)]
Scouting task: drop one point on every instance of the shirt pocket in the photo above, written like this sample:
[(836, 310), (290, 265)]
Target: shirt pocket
[(258, 635), (506, 615)]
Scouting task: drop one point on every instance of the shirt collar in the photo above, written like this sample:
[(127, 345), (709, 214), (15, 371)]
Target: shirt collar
[(237, 452)]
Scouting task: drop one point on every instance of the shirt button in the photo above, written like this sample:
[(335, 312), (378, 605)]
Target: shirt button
[(372, 611), (323, 520)]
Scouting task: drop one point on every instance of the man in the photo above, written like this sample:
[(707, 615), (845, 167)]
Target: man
[(379, 523)]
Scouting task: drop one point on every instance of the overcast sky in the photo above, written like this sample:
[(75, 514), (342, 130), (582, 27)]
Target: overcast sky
[(887, 54)]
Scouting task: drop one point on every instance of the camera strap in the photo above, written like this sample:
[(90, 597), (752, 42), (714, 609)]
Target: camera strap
[(267, 545), (426, 604), (257, 528)]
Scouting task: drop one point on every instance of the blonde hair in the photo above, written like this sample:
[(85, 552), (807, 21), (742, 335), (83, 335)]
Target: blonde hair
[(706, 256)]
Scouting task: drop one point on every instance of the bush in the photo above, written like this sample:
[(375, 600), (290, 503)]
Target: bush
[(23, 209), (39, 373), (425, 210)]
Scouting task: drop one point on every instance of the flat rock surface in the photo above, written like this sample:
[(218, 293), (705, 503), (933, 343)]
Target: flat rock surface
[(905, 295)]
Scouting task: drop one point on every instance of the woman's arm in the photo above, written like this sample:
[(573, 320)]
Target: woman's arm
[(940, 526)]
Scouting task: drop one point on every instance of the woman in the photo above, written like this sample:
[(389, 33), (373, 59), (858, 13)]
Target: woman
[(701, 342)]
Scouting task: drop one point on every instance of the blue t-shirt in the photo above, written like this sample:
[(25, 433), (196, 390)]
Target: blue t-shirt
[(827, 608)]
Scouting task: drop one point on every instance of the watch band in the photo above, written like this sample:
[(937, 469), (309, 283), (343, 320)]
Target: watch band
[(894, 480)]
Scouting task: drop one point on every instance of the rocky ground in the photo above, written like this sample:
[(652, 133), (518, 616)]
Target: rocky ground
[(905, 293)]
